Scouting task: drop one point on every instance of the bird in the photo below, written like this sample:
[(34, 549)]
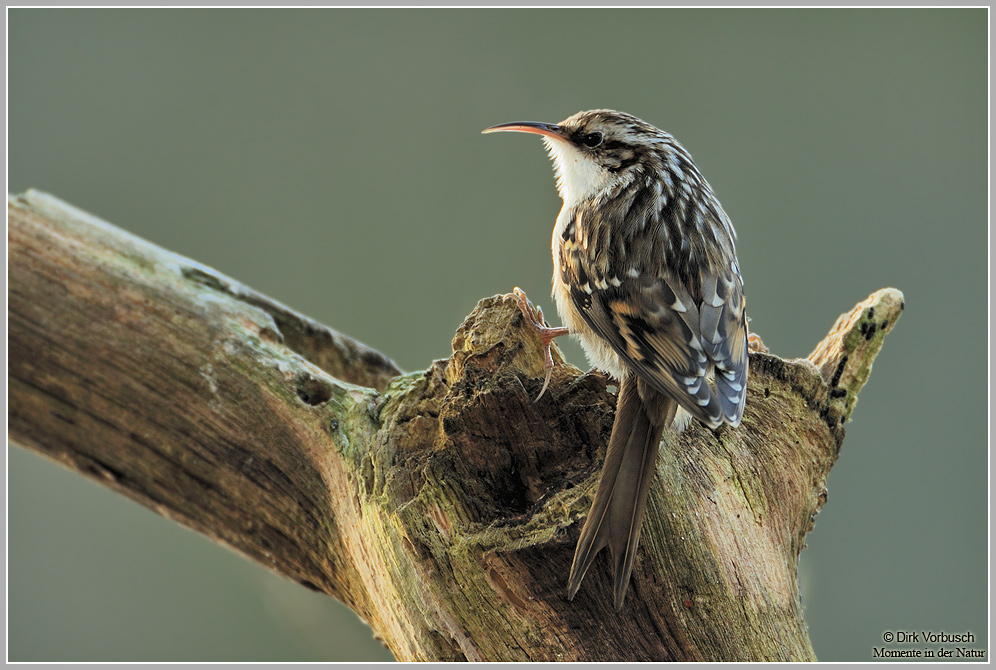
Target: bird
[(646, 276)]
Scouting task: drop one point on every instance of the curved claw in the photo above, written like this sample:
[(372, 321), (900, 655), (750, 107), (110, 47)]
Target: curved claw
[(546, 383), (755, 345)]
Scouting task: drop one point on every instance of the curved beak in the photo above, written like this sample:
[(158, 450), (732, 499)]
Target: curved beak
[(551, 130)]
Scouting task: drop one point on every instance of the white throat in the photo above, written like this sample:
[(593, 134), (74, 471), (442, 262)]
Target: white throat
[(578, 177)]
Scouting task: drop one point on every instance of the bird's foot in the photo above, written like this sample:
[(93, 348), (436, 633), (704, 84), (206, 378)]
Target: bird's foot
[(534, 320), (755, 345)]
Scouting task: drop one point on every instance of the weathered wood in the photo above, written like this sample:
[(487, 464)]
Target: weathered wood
[(442, 506)]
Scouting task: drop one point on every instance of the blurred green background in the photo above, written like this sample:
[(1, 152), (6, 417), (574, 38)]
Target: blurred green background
[(333, 159)]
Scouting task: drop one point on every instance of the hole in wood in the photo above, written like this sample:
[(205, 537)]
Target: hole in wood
[(313, 391)]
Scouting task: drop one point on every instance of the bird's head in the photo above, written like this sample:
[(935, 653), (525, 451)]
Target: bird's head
[(598, 151)]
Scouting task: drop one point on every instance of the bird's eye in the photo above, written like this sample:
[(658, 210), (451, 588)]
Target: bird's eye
[(592, 140)]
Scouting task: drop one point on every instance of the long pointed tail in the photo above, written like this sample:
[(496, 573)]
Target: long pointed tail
[(616, 514)]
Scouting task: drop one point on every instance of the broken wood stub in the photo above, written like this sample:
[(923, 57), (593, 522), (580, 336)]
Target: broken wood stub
[(510, 479)]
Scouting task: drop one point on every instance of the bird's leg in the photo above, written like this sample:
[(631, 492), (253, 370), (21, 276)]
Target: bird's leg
[(534, 320)]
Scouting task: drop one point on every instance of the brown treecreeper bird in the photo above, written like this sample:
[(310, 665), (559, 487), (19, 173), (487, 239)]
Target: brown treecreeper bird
[(645, 274)]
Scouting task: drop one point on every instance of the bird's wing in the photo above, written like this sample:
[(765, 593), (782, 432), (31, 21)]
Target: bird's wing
[(672, 332)]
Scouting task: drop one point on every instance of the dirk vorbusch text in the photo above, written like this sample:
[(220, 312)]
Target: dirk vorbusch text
[(956, 640)]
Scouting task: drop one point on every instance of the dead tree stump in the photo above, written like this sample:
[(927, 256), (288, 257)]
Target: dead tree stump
[(442, 506)]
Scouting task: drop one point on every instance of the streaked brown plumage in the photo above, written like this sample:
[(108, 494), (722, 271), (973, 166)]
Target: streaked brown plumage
[(646, 276)]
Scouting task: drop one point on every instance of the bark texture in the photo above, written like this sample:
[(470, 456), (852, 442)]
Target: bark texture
[(442, 506)]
